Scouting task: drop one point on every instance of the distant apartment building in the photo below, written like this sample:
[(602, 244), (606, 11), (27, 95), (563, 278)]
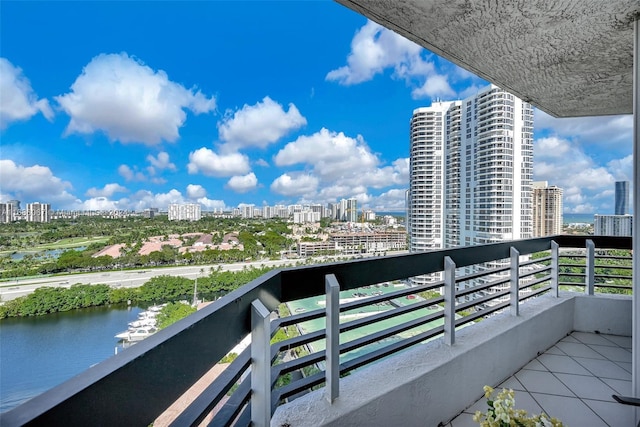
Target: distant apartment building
[(612, 225), (346, 210), (369, 215), (355, 243), (471, 164), (184, 212), (6, 213), (306, 249), (306, 217), (547, 209), (622, 198), (150, 213), (38, 212)]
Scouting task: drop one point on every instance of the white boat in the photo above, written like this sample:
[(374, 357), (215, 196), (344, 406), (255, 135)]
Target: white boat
[(140, 323), (137, 334)]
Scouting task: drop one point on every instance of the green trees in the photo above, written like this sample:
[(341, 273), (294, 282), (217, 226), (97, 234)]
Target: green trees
[(259, 237), (157, 290), (173, 312), (47, 300)]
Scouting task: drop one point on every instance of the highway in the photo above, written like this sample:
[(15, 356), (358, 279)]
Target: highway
[(133, 278), (127, 278)]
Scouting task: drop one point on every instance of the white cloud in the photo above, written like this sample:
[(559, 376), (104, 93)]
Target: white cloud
[(434, 86), (209, 204), (161, 162), (587, 186), (342, 161), (394, 199), (130, 174), (622, 169), (107, 191), (243, 183), (262, 162), (195, 191), (258, 125), (33, 184), (291, 184), (375, 49), (209, 163), (17, 99), (609, 131), (129, 101), (100, 204)]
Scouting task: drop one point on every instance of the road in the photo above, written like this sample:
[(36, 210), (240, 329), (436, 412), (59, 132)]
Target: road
[(133, 278), (15, 288)]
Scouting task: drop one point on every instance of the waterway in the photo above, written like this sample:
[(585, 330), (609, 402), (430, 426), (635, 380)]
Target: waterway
[(38, 353)]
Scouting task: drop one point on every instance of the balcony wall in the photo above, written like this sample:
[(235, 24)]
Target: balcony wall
[(432, 383)]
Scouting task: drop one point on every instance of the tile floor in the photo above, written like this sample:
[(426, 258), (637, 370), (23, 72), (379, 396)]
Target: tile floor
[(572, 381)]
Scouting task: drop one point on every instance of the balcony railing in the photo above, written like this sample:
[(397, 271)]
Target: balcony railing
[(324, 338)]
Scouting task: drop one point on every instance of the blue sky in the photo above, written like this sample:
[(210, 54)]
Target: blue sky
[(130, 105)]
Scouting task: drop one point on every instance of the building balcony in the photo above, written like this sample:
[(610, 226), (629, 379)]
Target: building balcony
[(355, 346)]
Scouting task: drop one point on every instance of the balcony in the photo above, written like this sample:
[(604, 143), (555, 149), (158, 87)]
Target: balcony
[(366, 349)]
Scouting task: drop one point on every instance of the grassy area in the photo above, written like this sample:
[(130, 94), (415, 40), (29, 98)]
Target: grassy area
[(70, 243)]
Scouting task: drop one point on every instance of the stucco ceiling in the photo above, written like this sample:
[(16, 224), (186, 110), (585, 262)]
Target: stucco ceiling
[(567, 57)]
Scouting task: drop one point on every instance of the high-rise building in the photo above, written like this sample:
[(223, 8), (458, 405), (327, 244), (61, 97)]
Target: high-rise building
[(7, 212), (612, 225), (184, 212), (547, 209), (622, 198), (38, 212), (471, 165)]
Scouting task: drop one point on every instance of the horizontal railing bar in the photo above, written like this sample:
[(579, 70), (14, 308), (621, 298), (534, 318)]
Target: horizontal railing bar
[(360, 342), (535, 261), (534, 272), (609, 286), (579, 284), (535, 282), (391, 349), (614, 257), (480, 274), (613, 267), (369, 300), (478, 288), (535, 293), (360, 361), (354, 324), (204, 402), (612, 276), (482, 300), (232, 407)]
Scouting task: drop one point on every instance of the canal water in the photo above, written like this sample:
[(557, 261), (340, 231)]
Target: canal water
[(38, 353)]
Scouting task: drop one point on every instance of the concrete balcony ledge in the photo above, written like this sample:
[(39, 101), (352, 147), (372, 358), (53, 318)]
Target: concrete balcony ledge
[(432, 383)]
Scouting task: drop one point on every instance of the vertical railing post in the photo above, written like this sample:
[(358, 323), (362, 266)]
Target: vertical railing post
[(332, 307), (555, 269), (515, 282), (449, 301), (589, 273), (260, 365)]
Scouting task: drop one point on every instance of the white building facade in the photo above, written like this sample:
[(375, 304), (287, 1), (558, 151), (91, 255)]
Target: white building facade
[(471, 165), (184, 212), (38, 212), (612, 225)]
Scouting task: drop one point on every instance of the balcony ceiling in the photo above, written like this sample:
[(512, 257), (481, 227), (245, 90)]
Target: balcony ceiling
[(567, 57)]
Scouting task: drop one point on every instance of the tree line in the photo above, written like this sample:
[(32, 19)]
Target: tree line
[(260, 238), (157, 290)]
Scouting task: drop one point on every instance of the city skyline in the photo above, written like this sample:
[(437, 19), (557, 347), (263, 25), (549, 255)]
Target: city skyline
[(225, 104)]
